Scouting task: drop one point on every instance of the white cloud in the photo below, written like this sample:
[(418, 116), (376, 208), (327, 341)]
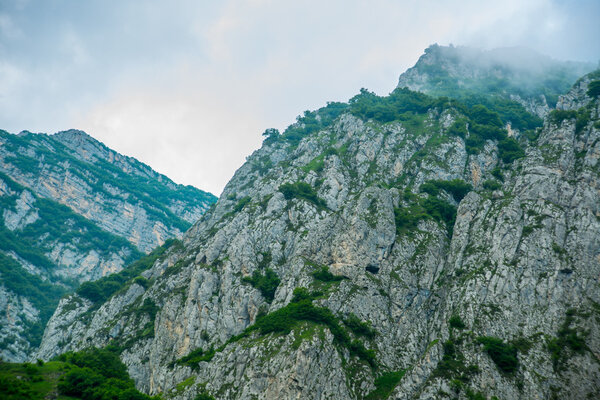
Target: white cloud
[(189, 86)]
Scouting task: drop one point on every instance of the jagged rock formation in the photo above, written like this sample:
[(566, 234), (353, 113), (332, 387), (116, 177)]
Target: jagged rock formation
[(73, 210), (473, 253), (120, 194)]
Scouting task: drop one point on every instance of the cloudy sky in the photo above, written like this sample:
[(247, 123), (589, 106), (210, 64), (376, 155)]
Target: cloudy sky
[(189, 86)]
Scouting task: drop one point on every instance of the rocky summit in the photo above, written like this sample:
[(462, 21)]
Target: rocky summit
[(73, 210), (408, 246)]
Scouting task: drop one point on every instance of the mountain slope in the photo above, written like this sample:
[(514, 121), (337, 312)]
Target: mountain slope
[(527, 78), (118, 193), (73, 210), (401, 246)]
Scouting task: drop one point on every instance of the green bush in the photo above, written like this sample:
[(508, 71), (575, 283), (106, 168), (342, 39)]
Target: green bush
[(360, 328), (101, 290), (267, 284), (301, 190), (243, 202), (385, 385), (97, 374), (456, 323), (491, 185), (195, 357), (567, 339), (503, 354), (323, 275), (301, 308), (509, 150), (558, 116), (456, 187), (594, 88)]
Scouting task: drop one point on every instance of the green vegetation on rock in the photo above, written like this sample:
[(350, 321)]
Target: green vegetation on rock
[(266, 283), (302, 190), (503, 354), (385, 385), (91, 374), (43, 295), (101, 290)]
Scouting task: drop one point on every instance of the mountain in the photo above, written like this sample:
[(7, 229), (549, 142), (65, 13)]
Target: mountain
[(404, 246), (513, 73), (72, 211)]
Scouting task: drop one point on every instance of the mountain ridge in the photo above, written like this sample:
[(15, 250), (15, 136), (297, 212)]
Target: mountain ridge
[(73, 210), (404, 247)]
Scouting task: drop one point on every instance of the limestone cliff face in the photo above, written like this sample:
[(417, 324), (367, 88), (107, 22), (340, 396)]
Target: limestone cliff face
[(72, 210), (502, 300), (118, 193)]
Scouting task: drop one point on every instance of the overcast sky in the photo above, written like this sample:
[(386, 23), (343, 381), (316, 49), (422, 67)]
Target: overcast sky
[(189, 86)]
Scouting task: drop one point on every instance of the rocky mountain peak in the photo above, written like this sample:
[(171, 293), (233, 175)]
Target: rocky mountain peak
[(401, 246)]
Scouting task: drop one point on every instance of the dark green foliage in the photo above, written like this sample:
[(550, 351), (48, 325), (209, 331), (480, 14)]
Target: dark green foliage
[(385, 385), (583, 117), (101, 290), (509, 150), (594, 88), (558, 116), (452, 364), (497, 173), (301, 190), (243, 202), (503, 354), (96, 374), (271, 135), (456, 323), (301, 308), (567, 341), (313, 121), (407, 218), (43, 295), (11, 241), (491, 185), (481, 115), (360, 328), (204, 396), (458, 128), (323, 275), (195, 357), (471, 395), (456, 187), (267, 284), (399, 105), (508, 111), (441, 211), (17, 388)]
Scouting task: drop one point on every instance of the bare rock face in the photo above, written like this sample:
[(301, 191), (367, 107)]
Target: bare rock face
[(402, 298), (72, 211)]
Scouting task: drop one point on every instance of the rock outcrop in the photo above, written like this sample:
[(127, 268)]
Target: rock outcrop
[(73, 210), (433, 265)]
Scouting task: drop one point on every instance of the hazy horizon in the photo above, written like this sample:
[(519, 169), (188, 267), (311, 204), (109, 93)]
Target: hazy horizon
[(189, 88)]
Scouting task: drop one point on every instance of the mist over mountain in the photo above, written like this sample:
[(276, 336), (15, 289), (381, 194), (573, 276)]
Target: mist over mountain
[(517, 73)]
